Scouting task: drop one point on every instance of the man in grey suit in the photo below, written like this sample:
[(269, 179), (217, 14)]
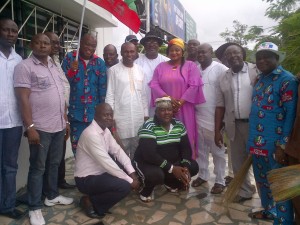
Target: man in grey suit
[(234, 94)]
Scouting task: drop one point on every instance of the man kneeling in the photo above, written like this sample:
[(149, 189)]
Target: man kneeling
[(164, 154), (96, 173)]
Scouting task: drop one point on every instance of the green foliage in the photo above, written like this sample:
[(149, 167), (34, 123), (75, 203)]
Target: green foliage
[(281, 9), (289, 29)]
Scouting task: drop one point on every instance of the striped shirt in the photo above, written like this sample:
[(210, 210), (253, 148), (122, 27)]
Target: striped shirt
[(163, 148)]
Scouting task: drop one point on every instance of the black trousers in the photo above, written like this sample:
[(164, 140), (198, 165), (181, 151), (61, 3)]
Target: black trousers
[(152, 175), (104, 190)]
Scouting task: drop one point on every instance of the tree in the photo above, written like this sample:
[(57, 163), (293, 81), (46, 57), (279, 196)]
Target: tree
[(289, 29), (281, 9)]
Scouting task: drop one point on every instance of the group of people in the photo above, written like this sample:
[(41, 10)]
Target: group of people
[(141, 121)]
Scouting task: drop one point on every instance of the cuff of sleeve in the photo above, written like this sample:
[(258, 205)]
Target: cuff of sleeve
[(166, 166), (186, 163), (72, 73)]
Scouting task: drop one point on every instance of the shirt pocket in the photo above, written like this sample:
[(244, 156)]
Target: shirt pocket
[(43, 82)]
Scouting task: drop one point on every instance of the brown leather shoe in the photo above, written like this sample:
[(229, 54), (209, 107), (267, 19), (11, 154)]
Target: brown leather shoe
[(217, 188), (199, 181)]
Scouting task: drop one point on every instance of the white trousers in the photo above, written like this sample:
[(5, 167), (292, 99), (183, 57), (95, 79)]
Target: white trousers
[(206, 146)]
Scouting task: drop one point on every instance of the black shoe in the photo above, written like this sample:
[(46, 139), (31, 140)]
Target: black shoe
[(88, 208), (66, 186), (15, 214)]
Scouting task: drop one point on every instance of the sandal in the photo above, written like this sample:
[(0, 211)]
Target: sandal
[(228, 179), (199, 181), (261, 215), (217, 188)]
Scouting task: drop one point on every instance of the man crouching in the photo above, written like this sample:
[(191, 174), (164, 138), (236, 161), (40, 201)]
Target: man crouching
[(96, 172), (164, 154)]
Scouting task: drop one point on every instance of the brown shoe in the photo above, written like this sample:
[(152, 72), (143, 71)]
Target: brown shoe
[(199, 181), (217, 188)]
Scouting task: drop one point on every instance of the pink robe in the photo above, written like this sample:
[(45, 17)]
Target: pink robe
[(167, 81)]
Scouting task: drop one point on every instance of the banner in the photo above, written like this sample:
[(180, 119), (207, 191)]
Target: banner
[(190, 27), (122, 12), (169, 16)]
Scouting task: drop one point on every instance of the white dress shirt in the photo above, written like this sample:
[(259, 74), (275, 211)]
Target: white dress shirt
[(242, 92), (205, 112), (126, 94), (148, 66), (9, 113), (92, 155)]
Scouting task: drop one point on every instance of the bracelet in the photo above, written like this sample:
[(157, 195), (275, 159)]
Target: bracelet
[(30, 126), (68, 122), (171, 169)]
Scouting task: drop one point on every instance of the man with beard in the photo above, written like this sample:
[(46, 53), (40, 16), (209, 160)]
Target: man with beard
[(150, 60), (233, 103), (126, 94), (87, 78)]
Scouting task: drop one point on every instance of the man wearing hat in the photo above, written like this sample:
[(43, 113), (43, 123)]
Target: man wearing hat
[(133, 39), (150, 60), (233, 102), (273, 110), (164, 154)]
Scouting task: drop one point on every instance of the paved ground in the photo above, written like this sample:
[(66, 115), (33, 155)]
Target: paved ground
[(189, 207)]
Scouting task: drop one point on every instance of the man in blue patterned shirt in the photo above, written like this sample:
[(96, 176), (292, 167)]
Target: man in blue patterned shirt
[(87, 78)]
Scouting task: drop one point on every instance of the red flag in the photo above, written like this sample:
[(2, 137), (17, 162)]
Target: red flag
[(122, 12)]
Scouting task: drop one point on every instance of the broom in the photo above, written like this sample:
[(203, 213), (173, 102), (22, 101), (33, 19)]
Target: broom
[(237, 182), (285, 182)]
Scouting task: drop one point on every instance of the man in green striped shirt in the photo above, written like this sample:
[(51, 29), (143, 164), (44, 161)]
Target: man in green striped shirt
[(164, 154)]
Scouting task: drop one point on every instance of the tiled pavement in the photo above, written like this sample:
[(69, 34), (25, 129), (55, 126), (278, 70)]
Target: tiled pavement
[(189, 207)]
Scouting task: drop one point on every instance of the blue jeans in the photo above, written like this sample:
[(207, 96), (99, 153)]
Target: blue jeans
[(43, 170), (10, 139)]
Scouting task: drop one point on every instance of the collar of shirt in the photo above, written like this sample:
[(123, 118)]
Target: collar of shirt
[(243, 70), (12, 54), (36, 61), (99, 129)]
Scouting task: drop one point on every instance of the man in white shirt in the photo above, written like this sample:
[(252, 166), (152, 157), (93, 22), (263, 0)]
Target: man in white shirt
[(96, 173), (10, 120), (233, 103), (192, 50), (150, 60), (126, 94), (205, 118)]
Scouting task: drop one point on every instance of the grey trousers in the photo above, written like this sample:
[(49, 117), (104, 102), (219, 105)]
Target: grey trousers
[(239, 154)]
